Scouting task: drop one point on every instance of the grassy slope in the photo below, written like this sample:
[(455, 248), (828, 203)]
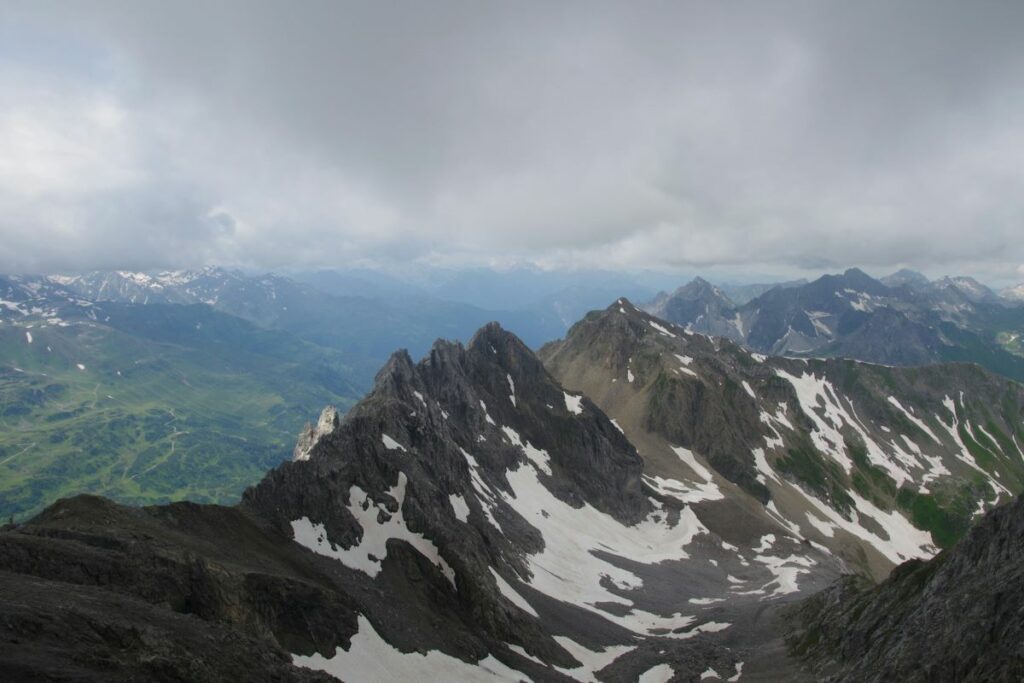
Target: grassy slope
[(179, 403)]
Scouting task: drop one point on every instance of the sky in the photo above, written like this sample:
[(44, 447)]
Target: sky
[(745, 138)]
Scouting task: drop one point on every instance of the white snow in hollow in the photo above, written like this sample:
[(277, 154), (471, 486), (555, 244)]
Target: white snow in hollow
[(371, 659), (371, 550)]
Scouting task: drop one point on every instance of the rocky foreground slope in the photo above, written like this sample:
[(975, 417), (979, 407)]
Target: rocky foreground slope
[(957, 617), (473, 518)]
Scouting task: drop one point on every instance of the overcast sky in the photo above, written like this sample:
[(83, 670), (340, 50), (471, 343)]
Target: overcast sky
[(764, 137)]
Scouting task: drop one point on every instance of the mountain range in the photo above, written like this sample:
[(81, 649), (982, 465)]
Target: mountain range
[(902, 319), (633, 502)]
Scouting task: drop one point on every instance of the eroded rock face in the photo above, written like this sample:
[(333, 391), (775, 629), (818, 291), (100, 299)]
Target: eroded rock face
[(311, 434), (957, 617)]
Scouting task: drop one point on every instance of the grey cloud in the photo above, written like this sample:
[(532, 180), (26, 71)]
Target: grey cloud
[(778, 136)]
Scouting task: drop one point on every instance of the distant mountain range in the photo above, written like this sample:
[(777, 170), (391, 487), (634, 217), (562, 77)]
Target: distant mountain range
[(902, 319), (367, 329), (1015, 293)]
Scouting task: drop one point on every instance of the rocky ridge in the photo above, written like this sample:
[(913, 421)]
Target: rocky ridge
[(877, 464)]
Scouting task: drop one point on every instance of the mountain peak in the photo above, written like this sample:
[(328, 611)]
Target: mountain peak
[(491, 333), (699, 287), (970, 288), (908, 278), (1014, 293), (858, 277), (622, 303)]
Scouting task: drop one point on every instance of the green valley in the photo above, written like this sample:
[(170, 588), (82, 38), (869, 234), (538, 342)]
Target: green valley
[(157, 403)]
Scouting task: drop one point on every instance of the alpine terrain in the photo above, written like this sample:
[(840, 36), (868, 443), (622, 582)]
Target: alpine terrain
[(646, 504)]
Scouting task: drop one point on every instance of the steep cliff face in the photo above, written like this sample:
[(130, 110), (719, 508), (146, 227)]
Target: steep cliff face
[(878, 464), (957, 617)]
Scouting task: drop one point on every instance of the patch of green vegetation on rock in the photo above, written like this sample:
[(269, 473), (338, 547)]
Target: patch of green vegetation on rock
[(926, 512), (985, 458), (968, 347), (870, 480), (821, 475)]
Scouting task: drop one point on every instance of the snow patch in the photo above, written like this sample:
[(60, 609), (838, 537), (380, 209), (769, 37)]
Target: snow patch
[(590, 660), (660, 329), (512, 594), (487, 415), (749, 390), (660, 673), (568, 567), (916, 420), (370, 551), (540, 458), (460, 507), (574, 404), (371, 659)]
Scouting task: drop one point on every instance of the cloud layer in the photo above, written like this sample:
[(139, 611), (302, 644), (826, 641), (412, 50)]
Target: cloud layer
[(785, 137)]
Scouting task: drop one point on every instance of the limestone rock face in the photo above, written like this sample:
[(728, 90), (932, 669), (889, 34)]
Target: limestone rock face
[(311, 434)]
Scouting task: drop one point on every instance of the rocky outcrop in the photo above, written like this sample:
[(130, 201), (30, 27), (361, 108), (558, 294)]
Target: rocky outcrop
[(311, 434), (96, 590), (957, 617)]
